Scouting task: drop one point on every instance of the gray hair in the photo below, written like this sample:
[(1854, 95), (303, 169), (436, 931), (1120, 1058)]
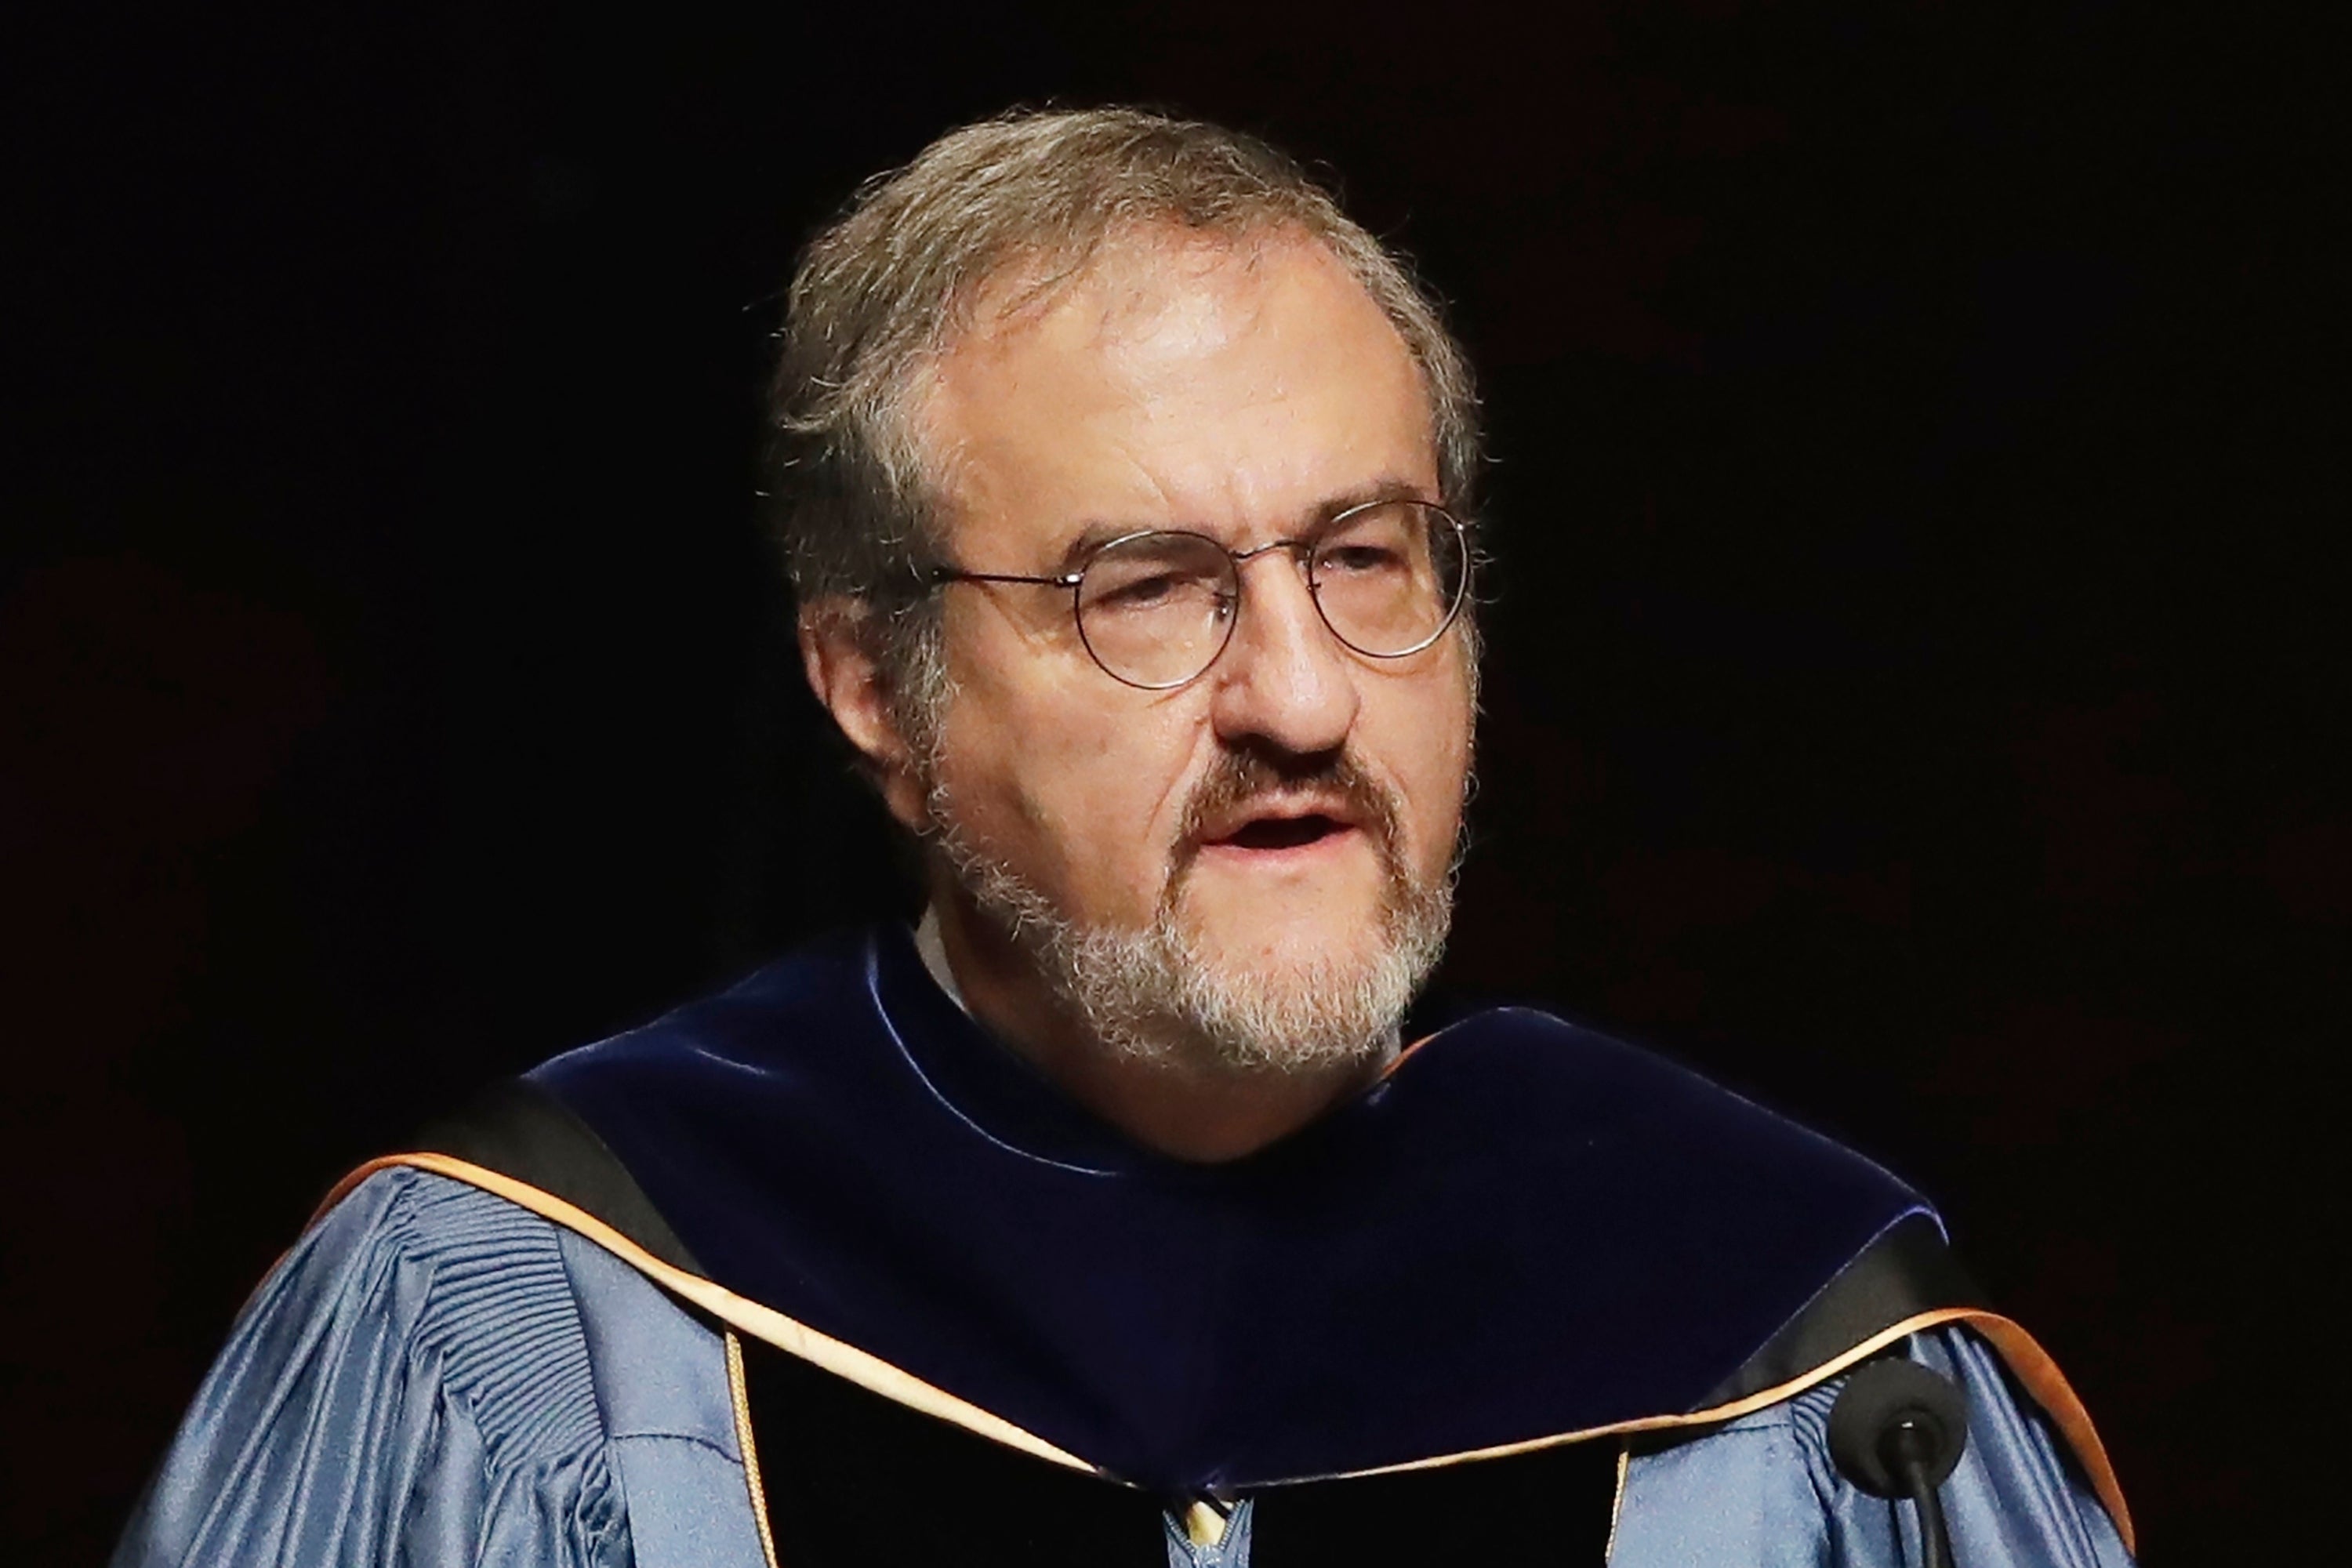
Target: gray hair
[(881, 294)]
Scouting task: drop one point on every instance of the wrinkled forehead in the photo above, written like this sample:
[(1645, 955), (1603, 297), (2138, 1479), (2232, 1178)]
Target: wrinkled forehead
[(1174, 376)]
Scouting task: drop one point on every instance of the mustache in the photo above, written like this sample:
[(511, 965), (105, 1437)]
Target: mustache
[(1240, 778)]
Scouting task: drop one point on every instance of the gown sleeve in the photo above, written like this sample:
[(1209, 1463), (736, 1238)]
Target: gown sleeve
[(1762, 1491), (411, 1385)]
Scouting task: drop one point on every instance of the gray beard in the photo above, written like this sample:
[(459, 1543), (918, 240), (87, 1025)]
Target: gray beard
[(1151, 994)]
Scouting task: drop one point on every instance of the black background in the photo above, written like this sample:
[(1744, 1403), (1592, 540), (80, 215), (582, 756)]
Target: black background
[(1908, 682)]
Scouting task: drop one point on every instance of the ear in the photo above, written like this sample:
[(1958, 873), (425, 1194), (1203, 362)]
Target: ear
[(836, 635)]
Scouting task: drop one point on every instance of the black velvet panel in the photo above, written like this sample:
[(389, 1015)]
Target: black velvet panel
[(1525, 1229), (1542, 1510), (854, 1481)]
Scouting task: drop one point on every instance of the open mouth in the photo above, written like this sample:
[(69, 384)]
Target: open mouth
[(1283, 832)]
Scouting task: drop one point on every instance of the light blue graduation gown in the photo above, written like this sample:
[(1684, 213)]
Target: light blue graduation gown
[(435, 1376)]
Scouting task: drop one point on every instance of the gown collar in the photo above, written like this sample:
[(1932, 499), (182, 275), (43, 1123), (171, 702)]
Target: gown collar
[(977, 1077)]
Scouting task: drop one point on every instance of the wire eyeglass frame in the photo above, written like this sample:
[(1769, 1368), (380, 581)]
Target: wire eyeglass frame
[(1308, 551)]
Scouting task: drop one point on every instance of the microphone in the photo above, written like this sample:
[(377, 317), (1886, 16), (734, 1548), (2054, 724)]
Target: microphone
[(1897, 1431)]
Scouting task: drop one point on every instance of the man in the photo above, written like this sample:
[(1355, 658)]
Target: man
[(1105, 1217)]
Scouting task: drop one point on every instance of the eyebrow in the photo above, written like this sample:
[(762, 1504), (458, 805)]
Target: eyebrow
[(1091, 538), (1366, 495), (1102, 531)]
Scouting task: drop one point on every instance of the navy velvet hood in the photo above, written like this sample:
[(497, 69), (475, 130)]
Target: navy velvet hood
[(1525, 1229)]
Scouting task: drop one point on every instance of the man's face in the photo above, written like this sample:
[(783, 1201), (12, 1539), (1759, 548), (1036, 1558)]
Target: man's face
[(1273, 817)]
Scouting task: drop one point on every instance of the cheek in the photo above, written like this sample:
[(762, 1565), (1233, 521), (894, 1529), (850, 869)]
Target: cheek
[(1118, 779), (1081, 796), (1431, 757)]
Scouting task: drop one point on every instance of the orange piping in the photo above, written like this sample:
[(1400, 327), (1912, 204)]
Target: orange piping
[(2025, 1358)]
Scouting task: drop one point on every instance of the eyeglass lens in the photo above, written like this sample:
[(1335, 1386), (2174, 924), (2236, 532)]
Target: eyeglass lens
[(1156, 609)]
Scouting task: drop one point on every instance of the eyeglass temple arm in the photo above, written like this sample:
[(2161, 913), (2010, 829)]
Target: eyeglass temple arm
[(938, 574)]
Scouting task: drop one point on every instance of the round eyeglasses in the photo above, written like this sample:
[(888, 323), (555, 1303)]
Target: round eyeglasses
[(1156, 608)]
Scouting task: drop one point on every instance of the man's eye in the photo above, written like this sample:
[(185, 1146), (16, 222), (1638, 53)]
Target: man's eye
[(1157, 590), (1143, 590), (1360, 559)]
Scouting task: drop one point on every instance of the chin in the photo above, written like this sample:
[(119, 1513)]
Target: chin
[(1291, 953), (1297, 995), (1318, 1013), (1228, 980), (1340, 920)]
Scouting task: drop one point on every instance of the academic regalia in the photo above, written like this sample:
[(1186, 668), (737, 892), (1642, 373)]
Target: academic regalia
[(815, 1272)]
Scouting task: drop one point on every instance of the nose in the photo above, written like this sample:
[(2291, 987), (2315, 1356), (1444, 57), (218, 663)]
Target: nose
[(1284, 680)]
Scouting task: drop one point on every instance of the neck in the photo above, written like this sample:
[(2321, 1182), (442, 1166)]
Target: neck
[(1187, 1110)]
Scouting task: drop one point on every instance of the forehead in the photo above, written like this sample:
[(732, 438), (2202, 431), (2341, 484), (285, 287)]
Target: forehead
[(1237, 388)]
